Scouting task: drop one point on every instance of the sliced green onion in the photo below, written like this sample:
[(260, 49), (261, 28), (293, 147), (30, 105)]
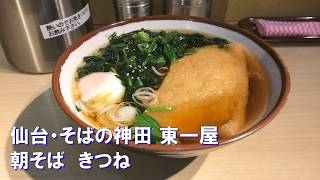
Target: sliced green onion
[(160, 108)]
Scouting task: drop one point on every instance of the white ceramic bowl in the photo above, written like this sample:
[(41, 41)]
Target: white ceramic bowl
[(276, 71)]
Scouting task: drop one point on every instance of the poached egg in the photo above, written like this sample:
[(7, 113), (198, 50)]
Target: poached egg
[(101, 84)]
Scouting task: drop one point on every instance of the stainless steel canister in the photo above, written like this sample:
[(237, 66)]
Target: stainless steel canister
[(35, 33), (200, 8), (126, 9)]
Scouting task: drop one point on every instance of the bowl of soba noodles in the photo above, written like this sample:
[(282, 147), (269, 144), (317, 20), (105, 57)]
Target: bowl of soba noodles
[(171, 86)]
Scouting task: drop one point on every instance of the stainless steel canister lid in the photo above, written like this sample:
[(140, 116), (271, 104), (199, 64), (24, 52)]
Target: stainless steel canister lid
[(199, 8), (127, 9)]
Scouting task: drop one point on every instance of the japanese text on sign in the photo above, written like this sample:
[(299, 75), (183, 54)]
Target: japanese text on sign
[(62, 26)]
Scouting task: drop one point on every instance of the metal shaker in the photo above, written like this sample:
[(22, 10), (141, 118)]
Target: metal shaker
[(127, 9), (200, 8), (35, 33)]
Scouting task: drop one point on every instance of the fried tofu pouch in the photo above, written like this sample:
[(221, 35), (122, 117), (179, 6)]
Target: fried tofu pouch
[(209, 87)]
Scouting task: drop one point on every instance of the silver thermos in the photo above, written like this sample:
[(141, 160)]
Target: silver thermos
[(34, 33), (127, 9), (200, 8)]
